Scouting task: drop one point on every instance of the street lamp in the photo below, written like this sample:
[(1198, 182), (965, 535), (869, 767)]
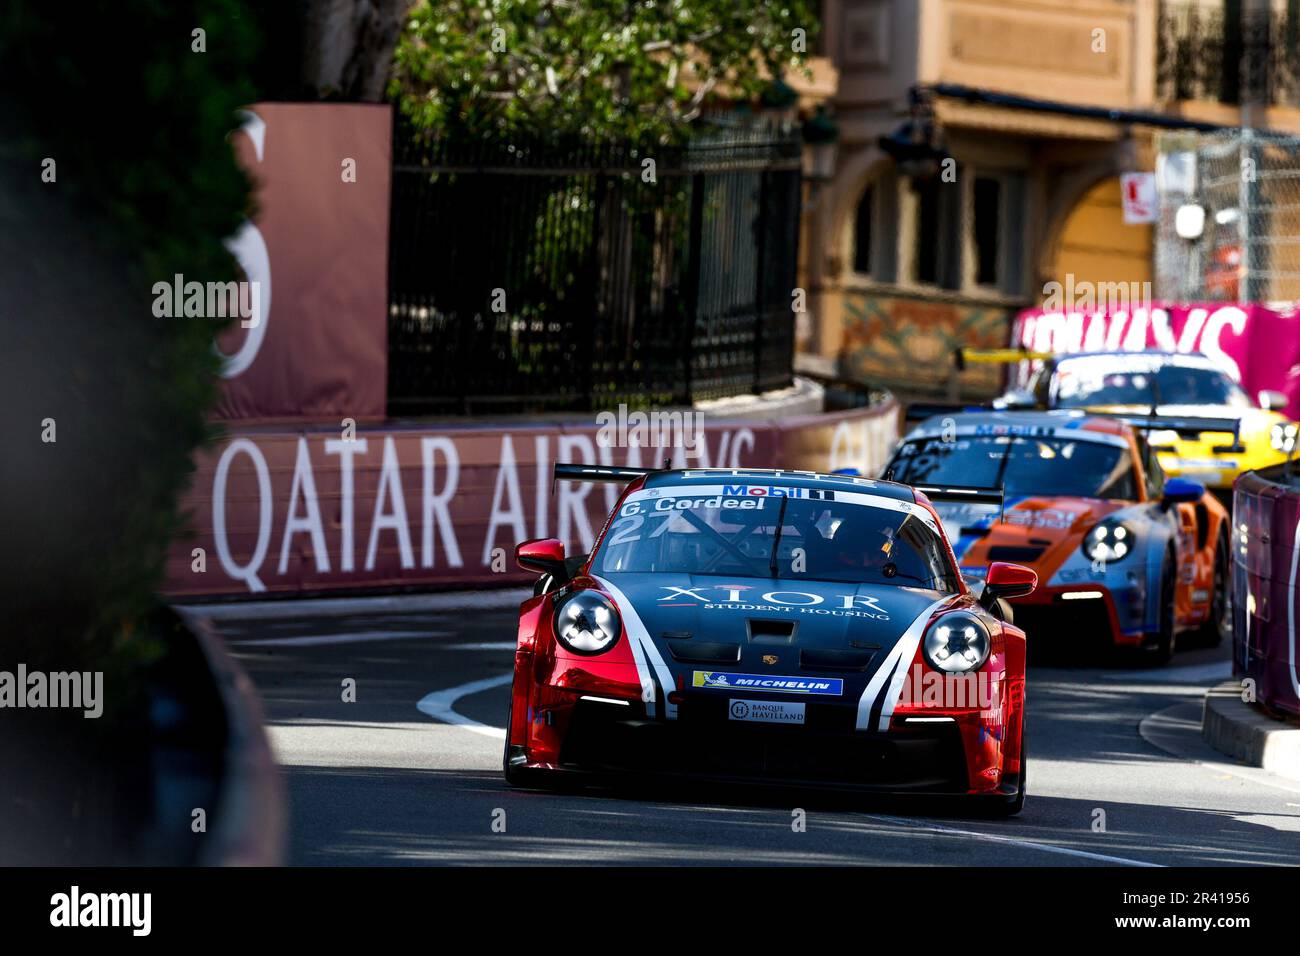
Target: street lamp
[(821, 140), (914, 146), (1189, 221)]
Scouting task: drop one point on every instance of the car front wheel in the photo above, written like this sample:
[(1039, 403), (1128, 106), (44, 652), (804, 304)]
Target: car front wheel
[(1162, 641), (1220, 619), (1010, 805), (515, 776)]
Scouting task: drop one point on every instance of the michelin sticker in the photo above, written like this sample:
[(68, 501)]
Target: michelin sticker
[(770, 684)]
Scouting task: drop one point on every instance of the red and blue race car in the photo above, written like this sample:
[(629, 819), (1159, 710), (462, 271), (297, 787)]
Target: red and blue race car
[(773, 626), (1127, 559)]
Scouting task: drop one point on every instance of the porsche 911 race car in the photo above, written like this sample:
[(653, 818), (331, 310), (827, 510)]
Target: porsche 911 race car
[(1121, 552), (768, 626), (1170, 384)]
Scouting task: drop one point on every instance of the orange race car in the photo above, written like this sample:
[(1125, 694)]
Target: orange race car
[(1120, 551)]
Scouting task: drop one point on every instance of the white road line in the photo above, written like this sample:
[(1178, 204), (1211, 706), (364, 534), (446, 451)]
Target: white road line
[(291, 607), (441, 705), (350, 637), (481, 646), (996, 838)]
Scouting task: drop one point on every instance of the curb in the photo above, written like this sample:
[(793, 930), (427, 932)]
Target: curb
[(1245, 732)]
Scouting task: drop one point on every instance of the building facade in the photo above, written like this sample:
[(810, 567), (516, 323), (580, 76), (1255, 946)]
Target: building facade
[(1031, 110)]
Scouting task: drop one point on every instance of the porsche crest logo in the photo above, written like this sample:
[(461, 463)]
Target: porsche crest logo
[(769, 658)]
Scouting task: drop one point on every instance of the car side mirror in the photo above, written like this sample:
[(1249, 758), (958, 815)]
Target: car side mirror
[(543, 555), (1181, 491), (1007, 581), (1270, 399)]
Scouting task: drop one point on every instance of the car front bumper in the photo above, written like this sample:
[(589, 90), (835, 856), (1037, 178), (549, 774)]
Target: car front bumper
[(925, 749), (1083, 610)]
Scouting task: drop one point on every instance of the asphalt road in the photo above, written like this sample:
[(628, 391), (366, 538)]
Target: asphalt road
[(409, 773)]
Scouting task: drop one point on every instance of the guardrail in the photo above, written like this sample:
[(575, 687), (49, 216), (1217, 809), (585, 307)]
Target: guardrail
[(1265, 548)]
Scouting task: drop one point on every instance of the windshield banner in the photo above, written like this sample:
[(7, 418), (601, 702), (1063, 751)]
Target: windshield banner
[(1259, 347)]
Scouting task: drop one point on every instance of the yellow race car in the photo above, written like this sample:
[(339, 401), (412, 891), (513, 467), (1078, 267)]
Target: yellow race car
[(1165, 385)]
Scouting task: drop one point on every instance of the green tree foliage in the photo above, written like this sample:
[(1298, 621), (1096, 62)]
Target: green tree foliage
[(116, 172), (133, 108), (605, 70)]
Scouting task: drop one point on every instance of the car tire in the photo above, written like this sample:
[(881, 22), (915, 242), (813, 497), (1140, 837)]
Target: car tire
[(1220, 619), (1009, 806), (515, 776), (1163, 641)]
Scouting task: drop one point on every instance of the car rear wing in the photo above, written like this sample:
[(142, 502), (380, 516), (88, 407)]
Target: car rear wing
[(920, 411), (962, 358), (618, 474), (973, 494), (1187, 426)]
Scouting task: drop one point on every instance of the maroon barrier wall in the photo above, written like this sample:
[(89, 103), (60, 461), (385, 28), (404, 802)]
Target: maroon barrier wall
[(318, 248), (305, 510), (1266, 528)]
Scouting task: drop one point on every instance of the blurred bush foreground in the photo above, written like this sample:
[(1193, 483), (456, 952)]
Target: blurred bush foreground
[(142, 185), (116, 173)]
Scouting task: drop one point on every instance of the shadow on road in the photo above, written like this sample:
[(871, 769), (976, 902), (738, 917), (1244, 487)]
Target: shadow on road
[(467, 818)]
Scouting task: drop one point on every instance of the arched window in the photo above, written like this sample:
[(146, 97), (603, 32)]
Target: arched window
[(863, 222), (875, 229)]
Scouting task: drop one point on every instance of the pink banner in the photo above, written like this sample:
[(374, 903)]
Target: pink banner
[(1257, 346)]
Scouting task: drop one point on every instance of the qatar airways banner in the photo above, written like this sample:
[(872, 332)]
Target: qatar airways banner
[(1257, 346), (312, 510), (314, 344)]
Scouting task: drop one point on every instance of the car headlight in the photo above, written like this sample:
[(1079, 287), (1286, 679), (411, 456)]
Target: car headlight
[(957, 643), (1109, 541), (1282, 437), (587, 623)]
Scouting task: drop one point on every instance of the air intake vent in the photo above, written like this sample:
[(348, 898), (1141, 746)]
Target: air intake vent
[(834, 659), (703, 652), (771, 632), (1011, 552)]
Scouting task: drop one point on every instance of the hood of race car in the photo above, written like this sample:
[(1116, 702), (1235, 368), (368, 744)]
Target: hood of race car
[(711, 623), (1036, 531)]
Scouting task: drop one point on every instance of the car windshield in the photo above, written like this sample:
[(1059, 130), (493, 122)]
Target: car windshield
[(1020, 464), (1092, 383), (695, 532)]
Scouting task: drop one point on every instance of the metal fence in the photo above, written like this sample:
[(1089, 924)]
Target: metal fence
[(1248, 185), (578, 276), (1228, 52)]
